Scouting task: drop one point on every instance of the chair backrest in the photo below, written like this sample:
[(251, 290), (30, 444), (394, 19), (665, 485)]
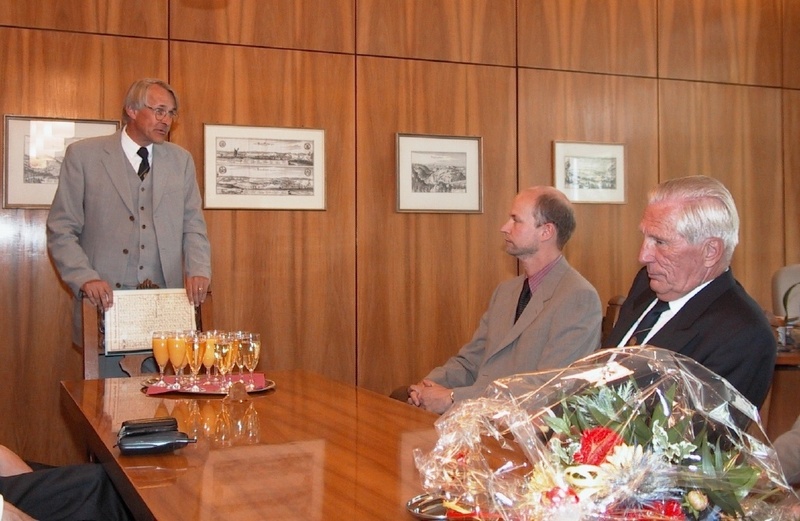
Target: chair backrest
[(611, 316), (93, 338), (782, 280)]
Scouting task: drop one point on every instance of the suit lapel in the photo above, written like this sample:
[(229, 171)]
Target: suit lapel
[(680, 329), (158, 170), (117, 167), (534, 308)]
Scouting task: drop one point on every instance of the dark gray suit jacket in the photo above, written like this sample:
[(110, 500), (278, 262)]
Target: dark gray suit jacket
[(721, 327)]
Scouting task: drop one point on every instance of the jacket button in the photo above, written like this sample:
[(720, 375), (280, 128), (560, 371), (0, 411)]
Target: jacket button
[(125, 251), (131, 218)]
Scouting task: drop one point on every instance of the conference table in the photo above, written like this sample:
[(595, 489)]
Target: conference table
[(310, 449)]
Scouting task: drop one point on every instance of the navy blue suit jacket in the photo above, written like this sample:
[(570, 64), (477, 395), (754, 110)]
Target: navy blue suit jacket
[(721, 327)]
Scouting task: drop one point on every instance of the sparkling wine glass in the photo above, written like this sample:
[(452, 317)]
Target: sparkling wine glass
[(252, 353), (195, 349), (210, 338), (242, 342), (223, 356), (161, 354)]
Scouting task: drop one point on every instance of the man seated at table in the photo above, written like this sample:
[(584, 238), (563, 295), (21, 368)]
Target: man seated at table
[(72, 492), (691, 228), (544, 319)]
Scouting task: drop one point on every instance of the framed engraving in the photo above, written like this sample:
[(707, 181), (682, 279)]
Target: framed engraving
[(34, 151), (264, 168), (590, 172), (439, 174)]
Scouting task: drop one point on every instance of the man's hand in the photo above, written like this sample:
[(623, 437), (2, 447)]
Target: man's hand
[(430, 396), (99, 293), (196, 289), (12, 513)]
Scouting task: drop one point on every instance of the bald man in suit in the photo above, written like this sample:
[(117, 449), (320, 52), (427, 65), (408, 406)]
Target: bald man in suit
[(127, 212), (559, 323)]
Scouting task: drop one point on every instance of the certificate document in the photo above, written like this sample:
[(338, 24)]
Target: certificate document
[(136, 313)]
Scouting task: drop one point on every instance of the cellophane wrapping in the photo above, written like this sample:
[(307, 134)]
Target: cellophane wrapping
[(636, 433)]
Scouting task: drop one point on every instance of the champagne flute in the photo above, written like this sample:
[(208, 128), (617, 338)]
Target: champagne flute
[(252, 353), (195, 349), (223, 356), (242, 341), (208, 355), (176, 344), (161, 354)]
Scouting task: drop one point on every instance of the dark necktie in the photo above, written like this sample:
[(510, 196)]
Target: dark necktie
[(647, 323), (144, 166), (524, 298)]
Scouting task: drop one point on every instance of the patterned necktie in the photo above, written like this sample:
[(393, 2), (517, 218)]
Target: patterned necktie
[(524, 298), (144, 166), (647, 323)]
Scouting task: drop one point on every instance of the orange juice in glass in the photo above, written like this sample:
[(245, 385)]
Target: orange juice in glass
[(176, 345), (161, 354)]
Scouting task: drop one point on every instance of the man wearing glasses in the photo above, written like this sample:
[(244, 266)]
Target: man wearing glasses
[(127, 212)]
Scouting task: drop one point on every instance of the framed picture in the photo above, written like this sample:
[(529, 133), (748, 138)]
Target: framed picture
[(34, 151), (590, 172), (264, 168), (439, 174)]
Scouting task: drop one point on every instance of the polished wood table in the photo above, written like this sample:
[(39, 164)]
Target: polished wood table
[(784, 400), (311, 449)]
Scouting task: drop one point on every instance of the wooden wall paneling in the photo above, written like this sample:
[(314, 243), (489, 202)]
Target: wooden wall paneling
[(119, 17), (791, 44), (731, 133), (67, 75), (564, 106), (610, 36), (791, 174), (322, 25), (721, 41), (424, 280), (288, 274), (479, 31)]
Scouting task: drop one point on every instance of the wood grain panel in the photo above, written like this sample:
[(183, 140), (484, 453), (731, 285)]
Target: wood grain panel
[(731, 133), (791, 174), (288, 274), (424, 280), (322, 25), (478, 31), (735, 41), (611, 36), (121, 17), (66, 75), (791, 44), (560, 106)]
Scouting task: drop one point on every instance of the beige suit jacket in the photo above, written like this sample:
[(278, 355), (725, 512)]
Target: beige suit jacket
[(93, 217), (560, 324)]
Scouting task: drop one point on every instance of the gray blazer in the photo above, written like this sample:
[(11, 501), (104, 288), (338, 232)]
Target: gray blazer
[(92, 216), (560, 324)]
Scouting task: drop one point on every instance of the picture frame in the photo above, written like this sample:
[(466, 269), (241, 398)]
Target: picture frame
[(264, 168), (590, 172), (439, 174), (33, 154)]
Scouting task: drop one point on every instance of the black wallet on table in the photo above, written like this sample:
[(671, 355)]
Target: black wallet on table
[(151, 436)]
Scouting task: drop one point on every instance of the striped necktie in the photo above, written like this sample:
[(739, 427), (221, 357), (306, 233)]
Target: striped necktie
[(144, 166)]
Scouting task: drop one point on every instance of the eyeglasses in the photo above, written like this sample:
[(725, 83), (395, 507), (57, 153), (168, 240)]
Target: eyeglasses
[(161, 113)]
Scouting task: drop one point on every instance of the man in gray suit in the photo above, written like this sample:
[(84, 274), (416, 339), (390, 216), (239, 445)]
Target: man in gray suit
[(127, 212), (558, 311)]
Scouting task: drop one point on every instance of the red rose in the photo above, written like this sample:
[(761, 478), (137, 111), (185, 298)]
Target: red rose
[(596, 443)]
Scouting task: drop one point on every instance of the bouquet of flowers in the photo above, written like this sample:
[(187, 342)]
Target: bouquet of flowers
[(634, 433)]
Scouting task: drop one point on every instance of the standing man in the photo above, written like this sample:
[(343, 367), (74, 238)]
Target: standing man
[(127, 212), (544, 319), (691, 228)]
